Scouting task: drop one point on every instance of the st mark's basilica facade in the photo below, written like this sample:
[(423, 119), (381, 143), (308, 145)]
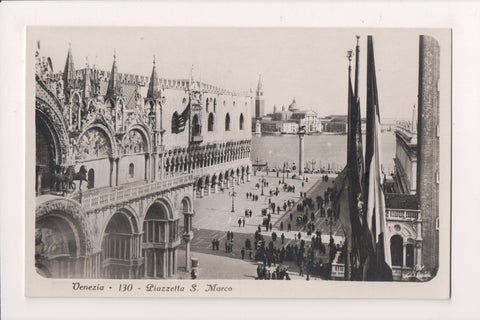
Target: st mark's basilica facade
[(120, 159)]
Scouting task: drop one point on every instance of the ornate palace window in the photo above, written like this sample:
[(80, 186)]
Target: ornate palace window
[(241, 122), (210, 122), (227, 122), (131, 170)]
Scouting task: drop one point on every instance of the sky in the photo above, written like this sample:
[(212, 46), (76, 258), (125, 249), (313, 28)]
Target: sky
[(308, 64)]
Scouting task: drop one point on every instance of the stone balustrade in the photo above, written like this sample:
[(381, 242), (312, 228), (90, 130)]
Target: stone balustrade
[(98, 199), (403, 215)]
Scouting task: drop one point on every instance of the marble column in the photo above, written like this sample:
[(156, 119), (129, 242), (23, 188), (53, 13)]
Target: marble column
[(117, 160), (301, 137)]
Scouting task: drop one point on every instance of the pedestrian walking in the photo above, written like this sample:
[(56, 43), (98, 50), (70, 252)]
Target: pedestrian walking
[(243, 221), (281, 226), (243, 253), (289, 227), (283, 238), (271, 226), (239, 223)]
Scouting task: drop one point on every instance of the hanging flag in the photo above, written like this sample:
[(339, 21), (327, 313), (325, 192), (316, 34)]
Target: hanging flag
[(378, 265), (179, 122), (359, 249), (349, 201)]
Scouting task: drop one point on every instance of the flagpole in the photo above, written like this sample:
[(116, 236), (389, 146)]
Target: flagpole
[(189, 125), (348, 245), (357, 63)]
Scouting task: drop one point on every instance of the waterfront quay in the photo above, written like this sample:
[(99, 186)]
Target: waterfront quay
[(214, 218)]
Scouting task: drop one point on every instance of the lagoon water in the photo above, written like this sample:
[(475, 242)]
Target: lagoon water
[(327, 151)]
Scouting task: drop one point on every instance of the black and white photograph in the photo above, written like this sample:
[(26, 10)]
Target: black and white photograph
[(308, 155)]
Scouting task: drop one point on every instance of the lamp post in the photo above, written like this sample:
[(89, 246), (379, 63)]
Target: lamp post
[(330, 222), (263, 181), (283, 177), (233, 194)]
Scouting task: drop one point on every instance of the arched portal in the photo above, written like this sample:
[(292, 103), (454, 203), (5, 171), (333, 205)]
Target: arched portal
[(186, 209), (160, 238), (57, 247), (121, 247)]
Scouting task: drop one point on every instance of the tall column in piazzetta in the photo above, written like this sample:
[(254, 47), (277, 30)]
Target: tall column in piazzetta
[(301, 137)]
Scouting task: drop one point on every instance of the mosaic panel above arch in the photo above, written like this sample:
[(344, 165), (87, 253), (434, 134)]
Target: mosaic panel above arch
[(93, 144), (134, 142)]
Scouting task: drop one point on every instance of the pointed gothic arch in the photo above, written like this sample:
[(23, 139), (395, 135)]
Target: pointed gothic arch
[(227, 122), (211, 121), (241, 124)]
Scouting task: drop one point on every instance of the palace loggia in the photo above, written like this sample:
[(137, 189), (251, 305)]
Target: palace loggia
[(149, 147)]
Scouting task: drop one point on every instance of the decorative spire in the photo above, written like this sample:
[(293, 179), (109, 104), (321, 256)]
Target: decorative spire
[(68, 72), (260, 85), (113, 88), (87, 84), (154, 86), (193, 82)]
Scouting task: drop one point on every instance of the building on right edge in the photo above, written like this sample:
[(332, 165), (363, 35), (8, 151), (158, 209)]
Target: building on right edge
[(429, 149), (412, 207)]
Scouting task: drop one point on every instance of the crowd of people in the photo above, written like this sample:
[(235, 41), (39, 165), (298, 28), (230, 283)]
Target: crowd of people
[(278, 274), (274, 252)]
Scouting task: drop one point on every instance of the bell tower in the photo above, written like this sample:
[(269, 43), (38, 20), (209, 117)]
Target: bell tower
[(259, 100)]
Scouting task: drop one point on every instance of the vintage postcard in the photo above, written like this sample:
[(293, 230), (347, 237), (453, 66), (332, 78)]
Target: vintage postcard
[(238, 162)]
